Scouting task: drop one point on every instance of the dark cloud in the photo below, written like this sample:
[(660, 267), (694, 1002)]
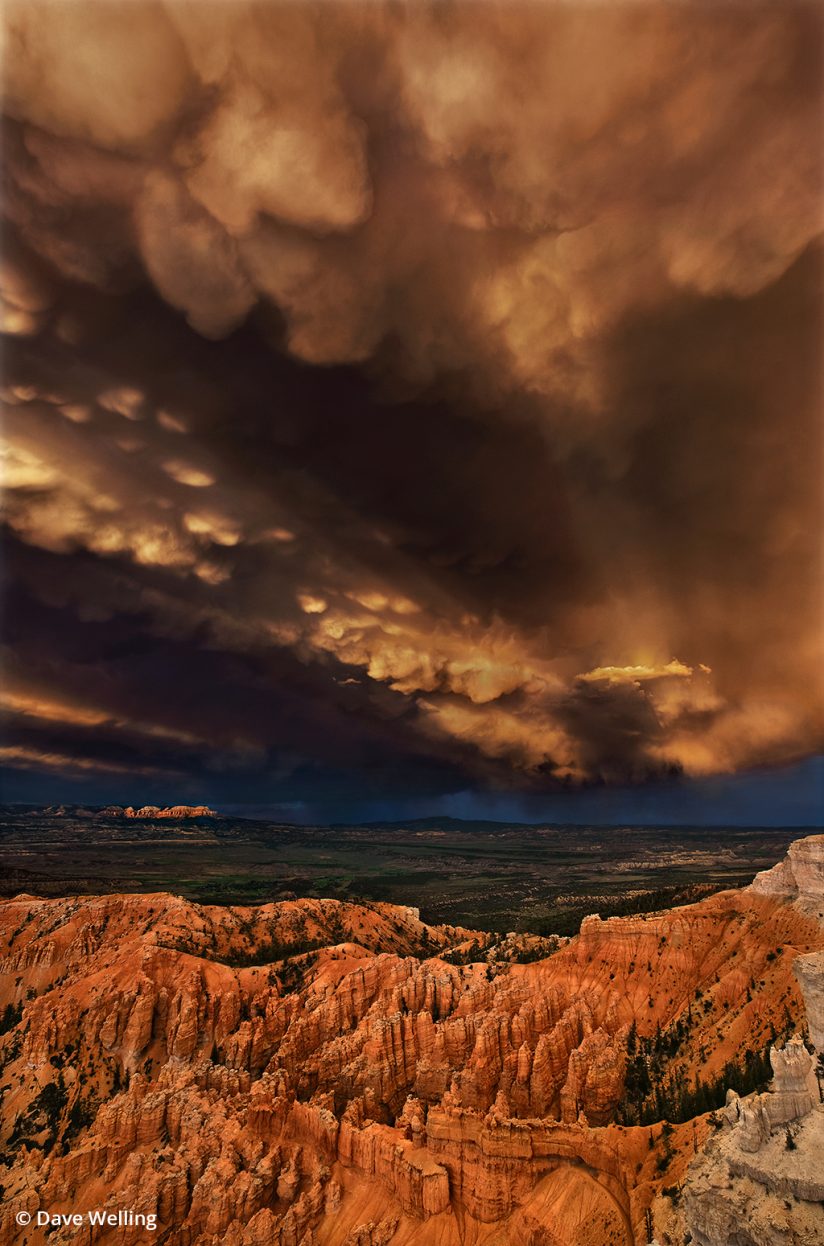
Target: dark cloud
[(411, 398)]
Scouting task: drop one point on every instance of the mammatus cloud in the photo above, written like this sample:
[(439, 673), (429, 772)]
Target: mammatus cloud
[(482, 416), (501, 185)]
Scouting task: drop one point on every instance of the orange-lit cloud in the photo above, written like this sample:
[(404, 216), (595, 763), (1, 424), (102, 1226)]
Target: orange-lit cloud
[(436, 379), (64, 764), (52, 711), (639, 674)]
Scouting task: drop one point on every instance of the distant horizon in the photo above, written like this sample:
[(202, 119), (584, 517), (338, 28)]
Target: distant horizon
[(789, 796), (252, 813)]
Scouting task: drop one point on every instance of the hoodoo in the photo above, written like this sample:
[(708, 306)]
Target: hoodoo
[(319, 1072)]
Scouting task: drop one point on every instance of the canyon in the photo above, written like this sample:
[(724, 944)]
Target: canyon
[(324, 1073)]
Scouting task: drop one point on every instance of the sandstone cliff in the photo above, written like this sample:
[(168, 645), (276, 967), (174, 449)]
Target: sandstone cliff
[(312, 1073)]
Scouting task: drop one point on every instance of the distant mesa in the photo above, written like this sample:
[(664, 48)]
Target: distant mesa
[(93, 813), (177, 812)]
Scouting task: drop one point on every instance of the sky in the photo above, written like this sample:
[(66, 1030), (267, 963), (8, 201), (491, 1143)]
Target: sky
[(414, 409)]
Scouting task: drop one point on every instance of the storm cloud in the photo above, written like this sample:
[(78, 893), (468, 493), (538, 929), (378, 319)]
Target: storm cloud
[(411, 397)]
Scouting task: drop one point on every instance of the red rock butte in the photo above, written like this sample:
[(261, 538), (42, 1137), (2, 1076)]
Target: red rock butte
[(170, 811)]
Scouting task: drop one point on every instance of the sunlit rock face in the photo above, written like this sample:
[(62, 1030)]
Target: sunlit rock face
[(313, 1071), (178, 812), (799, 877)]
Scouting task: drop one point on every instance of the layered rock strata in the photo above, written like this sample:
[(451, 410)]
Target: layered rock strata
[(799, 877), (760, 1182), (312, 1073)]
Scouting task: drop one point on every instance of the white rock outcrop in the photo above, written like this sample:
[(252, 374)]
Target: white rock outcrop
[(760, 1181), (799, 877), (809, 970), (772, 1198)]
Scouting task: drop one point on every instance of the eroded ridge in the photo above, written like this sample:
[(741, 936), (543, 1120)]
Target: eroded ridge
[(313, 1073)]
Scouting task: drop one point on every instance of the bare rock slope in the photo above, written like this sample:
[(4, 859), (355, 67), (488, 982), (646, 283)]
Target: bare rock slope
[(312, 1073), (760, 1182), (799, 877)]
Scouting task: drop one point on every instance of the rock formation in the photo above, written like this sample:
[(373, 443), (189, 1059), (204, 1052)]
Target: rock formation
[(313, 1073), (799, 877), (810, 973), (177, 812), (793, 1095), (760, 1182)]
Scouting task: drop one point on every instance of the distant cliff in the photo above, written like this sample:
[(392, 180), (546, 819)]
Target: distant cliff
[(177, 812), (108, 811)]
